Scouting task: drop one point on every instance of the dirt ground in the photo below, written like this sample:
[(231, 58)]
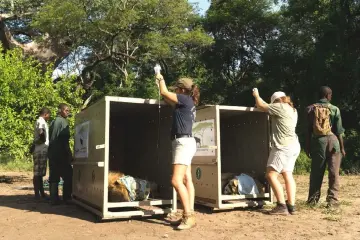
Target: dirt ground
[(22, 218)]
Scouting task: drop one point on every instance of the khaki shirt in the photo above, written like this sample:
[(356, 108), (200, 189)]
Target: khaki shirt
[(283, 124)]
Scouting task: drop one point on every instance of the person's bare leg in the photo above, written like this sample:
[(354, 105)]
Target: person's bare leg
[(275, 184), (177, 181), (190, 187), (290, 187), (280, 208)]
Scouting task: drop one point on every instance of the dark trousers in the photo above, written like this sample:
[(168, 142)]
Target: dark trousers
[(325, 151), (38, 186), (65, 171)]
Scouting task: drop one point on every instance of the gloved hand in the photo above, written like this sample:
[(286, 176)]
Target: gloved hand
[(255, 92), (158, 75), (157, 69)]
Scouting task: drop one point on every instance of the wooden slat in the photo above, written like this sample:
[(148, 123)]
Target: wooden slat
[(237, 197), (237, 204), (99, 164), (127, 214), (153, 202)]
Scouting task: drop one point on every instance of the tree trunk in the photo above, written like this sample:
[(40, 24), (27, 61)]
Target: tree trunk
[(46, 52)]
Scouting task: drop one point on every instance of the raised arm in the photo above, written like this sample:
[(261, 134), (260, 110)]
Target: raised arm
[(261, 104), (169, 97)]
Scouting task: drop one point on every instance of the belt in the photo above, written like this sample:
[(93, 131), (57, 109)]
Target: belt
[(173, 137)]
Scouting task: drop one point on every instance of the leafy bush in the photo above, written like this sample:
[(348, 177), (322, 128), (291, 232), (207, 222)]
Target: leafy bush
[(25, 89), (351, 163), (8, 164), (303, 164)]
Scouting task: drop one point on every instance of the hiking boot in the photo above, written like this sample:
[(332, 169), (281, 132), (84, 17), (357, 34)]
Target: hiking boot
[(176, 223), (280, 209), (312, 203), (332, 204), (187, 221), (291, 208)]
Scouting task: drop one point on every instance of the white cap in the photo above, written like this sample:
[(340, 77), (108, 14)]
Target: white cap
[(277, 95)]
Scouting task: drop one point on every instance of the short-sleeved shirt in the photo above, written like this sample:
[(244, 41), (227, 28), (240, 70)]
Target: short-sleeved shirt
[(335, 117), (41, 124), (59, 137), (183, 115), (283, 124)]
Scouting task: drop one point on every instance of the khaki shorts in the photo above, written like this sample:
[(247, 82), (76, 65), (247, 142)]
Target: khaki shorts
[(283, 159), (183, 150)]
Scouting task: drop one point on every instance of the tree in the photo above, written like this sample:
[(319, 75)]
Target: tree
[(240, 29), (25, 89), (125, 35), (16, 31), (318, 44)]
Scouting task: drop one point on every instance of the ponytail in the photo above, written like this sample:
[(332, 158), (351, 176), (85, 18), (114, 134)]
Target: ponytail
[(195, 94), (287, 100)]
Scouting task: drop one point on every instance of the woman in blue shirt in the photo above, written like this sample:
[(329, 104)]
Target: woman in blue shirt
[(184, 100)]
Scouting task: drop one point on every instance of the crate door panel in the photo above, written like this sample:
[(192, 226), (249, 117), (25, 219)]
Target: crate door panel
[(204, 132), (205, 162), (89, 153)]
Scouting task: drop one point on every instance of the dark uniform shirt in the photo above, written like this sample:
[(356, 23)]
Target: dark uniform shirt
[(59, 136), (183, 116)]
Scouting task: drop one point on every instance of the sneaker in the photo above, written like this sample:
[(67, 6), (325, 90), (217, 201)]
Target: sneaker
[(187, 222), (280, 209), (291, 208)]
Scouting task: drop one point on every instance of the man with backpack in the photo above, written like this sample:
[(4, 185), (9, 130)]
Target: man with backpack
[(325, 145)]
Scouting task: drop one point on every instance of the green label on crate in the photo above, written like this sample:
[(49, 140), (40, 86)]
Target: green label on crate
[(198, 173)]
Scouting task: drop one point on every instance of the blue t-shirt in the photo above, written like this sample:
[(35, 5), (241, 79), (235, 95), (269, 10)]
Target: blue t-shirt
[(184, 115)]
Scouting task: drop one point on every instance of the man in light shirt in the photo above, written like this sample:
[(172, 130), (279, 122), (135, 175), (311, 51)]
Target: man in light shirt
[(41, 142)]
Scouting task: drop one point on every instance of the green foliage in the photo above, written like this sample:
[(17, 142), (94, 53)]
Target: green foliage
[(303, 164), (351, 163), (25, 89), (240, 29), (9, 164), (125, 39), (238, 45)]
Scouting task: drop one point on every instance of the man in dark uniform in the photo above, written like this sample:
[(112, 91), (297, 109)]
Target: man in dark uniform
[(325, 146), (60, 156)]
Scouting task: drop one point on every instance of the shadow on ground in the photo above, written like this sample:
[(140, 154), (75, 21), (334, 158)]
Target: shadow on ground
[(12, 179), (27, 203)]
